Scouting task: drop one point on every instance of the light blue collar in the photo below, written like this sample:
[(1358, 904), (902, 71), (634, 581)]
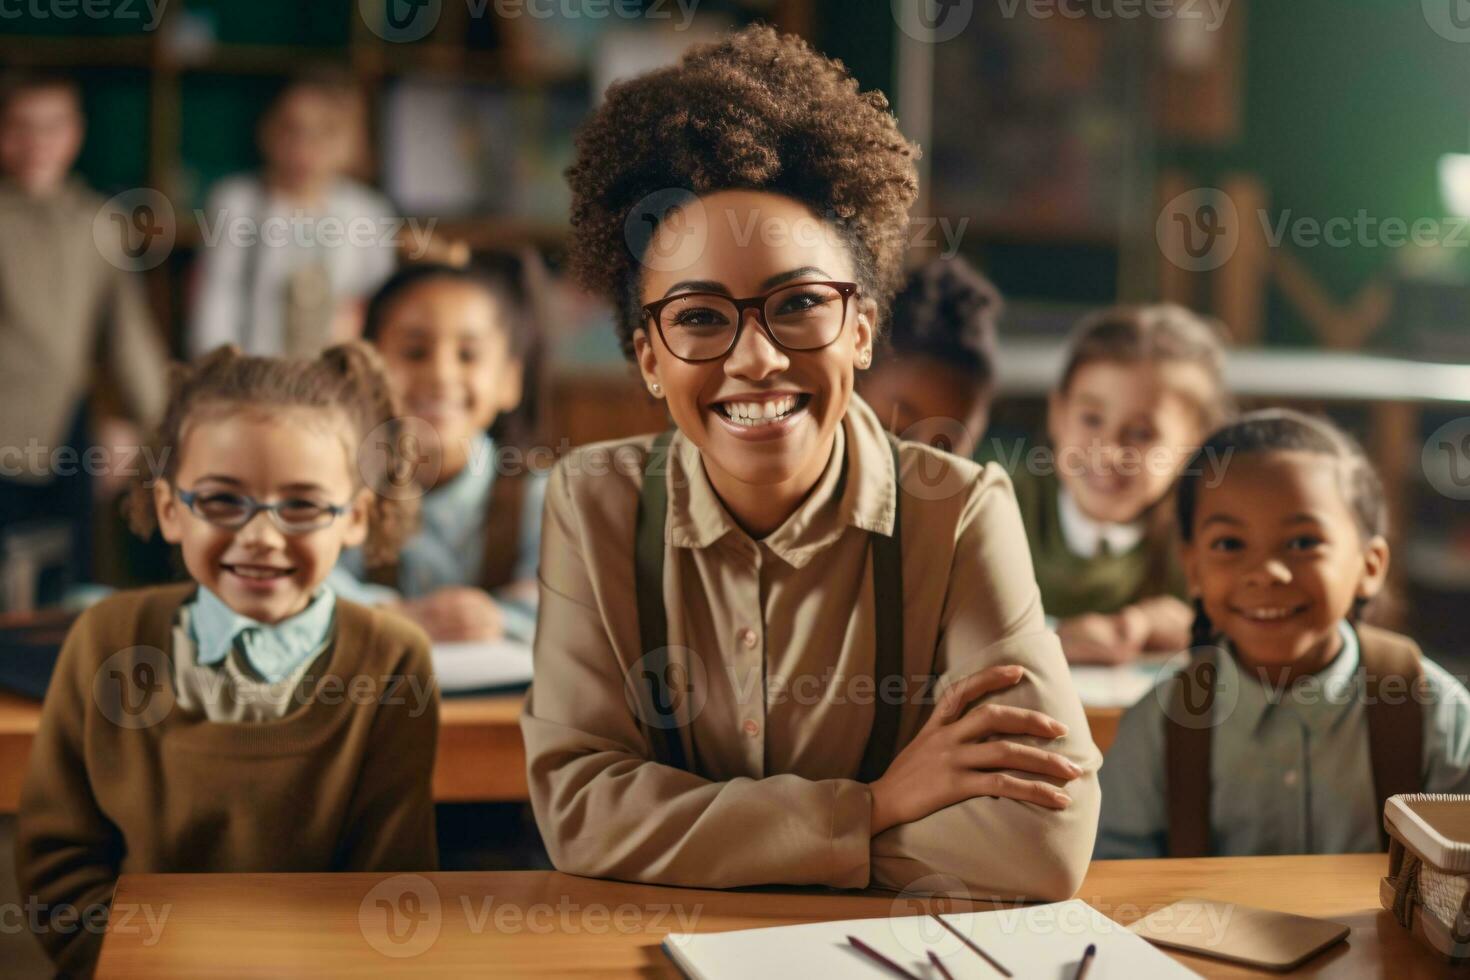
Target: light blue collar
[(456, 509), (1318, 699), (273, 650)]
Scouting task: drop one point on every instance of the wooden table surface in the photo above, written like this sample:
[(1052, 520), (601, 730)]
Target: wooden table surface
[(539, 923), (481, 758)]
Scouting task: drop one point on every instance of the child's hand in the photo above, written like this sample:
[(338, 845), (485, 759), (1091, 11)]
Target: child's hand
[(1170, 622), (956, 754), (1134, 627), (1095, 638), (456, 614)]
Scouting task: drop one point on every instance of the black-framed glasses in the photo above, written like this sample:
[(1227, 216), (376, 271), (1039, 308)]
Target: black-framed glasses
[(226, 509), (802, 316)]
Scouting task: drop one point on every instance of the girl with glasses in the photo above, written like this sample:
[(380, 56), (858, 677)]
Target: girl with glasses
[(248, 719), (774, 645)]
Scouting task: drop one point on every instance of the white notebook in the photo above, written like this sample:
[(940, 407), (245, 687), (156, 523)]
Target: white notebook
[(1036, 942), (461, 667), (1122, 685)]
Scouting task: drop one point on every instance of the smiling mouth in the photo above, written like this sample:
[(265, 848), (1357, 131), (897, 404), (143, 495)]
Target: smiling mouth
[(753, 414), (1105, 482), (1268, 614), (259, 573), (438, 408)]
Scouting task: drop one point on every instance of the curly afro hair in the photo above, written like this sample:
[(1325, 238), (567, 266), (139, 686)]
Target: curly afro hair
[(756, 111), (949, 310)]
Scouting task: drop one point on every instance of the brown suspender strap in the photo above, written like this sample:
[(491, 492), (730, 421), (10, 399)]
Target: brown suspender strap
[(1187, 729), (503, 531), (887, 639), (659, 704), (659, 709), (1393, 677)]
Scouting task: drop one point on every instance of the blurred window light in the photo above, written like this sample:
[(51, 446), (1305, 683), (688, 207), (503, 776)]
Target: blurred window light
[(1454, 183)]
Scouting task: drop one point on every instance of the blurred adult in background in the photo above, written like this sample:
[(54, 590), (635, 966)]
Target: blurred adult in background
[(63, 309), (289, 255)]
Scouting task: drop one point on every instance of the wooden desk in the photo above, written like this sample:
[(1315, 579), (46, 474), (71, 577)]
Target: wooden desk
[(19, 718), (481, 758), (538, 923)]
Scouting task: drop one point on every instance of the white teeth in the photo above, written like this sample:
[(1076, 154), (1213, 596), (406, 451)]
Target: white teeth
[(758, 413), (1268, 614), (246, 572)]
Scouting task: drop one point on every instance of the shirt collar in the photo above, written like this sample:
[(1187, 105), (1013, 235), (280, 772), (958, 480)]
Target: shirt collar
[(273, 650), (69, 194), (1083, 535), (857, 488), (1318, 699)]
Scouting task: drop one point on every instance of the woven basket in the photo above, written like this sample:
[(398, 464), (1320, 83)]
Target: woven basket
[(1428, 883)]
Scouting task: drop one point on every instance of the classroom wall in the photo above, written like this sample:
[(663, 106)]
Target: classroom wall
[(1347, 106)]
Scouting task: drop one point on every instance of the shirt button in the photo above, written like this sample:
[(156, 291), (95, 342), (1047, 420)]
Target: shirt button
[(751, 728), (748, 639), (1290, 778)]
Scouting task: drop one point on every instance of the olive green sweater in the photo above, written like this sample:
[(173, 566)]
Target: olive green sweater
[(1071, 584), (123, 780)]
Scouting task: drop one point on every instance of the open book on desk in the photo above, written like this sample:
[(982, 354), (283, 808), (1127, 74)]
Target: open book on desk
[(1122, 685), (1033, 942), (466, 668)]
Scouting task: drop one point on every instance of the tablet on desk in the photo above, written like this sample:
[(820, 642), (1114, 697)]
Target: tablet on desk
[(1241, 934)]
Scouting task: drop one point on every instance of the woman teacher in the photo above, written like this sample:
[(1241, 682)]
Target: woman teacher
[(775, 646)]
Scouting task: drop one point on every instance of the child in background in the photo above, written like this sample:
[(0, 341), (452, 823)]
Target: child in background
[(248, 720), (299, 284), (455, 341), (63, 308), (1285, 718), (1140, 389), (936, 382)]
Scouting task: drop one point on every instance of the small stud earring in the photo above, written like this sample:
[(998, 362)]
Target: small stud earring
[(655, 389), (864, 359)]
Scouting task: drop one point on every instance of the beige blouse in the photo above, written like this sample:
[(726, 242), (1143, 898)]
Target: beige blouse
[(778, 638)]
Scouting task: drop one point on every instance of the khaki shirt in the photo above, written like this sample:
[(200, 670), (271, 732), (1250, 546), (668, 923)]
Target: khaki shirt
[(63, 309), (778, 636)]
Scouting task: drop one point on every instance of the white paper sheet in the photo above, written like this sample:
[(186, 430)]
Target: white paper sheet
[(478, 666), (1122, 686), (1037, 942)]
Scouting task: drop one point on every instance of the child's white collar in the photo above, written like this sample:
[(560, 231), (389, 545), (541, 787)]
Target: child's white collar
[(1084, 536)]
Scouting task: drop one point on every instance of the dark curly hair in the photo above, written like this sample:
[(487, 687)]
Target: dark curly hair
[(757, 111), (948, 310)]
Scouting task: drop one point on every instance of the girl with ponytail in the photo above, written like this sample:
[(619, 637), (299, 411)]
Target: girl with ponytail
[(246, 720), (1292, 720)]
